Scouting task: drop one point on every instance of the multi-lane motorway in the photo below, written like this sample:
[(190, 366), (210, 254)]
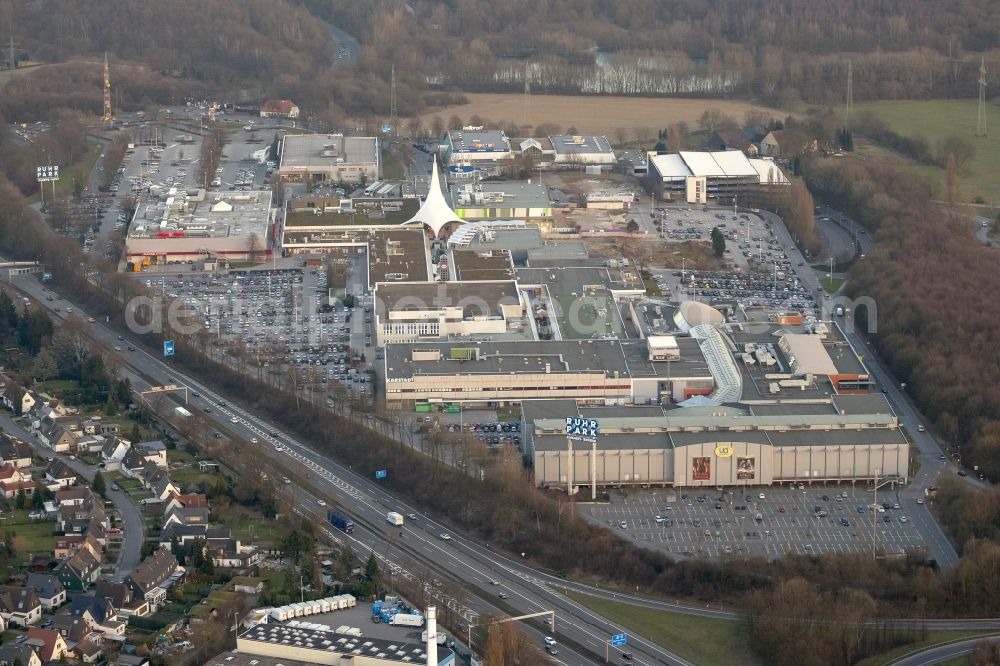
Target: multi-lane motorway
[(581, 633)]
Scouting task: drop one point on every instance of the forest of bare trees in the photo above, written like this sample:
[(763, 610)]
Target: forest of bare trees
[(780, 52)]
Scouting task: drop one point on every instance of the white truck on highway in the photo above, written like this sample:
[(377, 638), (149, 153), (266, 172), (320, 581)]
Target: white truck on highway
[(394, 518)]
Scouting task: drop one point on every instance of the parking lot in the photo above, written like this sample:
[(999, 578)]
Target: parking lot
[(710, 523), (778, 287), (283, 318)]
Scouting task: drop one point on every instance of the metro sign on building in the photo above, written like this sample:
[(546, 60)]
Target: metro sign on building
[(580, 428)]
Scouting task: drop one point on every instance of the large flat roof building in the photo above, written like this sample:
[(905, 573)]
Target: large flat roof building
[(503, 373), (838, 438), (328, 157), (469, 148), (582, 149), (504, 200), (434, 311), (180, 225), (319, 646)]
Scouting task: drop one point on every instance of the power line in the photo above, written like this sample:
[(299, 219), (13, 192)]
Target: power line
[(981, 129), (850, 96), (107, 91)]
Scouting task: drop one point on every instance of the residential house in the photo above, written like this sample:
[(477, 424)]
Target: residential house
[(154, 451), (68, 544), (13, 479), (114, 449), (59, 474), (89, 443), (98, 613), (49, 645), (132, 660), (185, 501), (79, 570), (733, 139), (232, 554), (132, 463), (279, 108), (75, 496), (770, 145), (185, 516), (72, 628), (123, 598), (185, 534), (19, 606), (50, 591), (56, 436), (78, 517), (158, 482), (147, 580), (14, 397), (14, 452), (88, 651), (14, 654)]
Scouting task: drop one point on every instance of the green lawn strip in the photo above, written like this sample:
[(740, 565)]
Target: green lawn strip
[(831, 284), (79, 171), (30, 537), (697, 639), (934, 639), (391, 167)]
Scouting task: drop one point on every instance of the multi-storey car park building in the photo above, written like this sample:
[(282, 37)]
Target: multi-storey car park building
[(696, 177), (328, 157), (184, 225)]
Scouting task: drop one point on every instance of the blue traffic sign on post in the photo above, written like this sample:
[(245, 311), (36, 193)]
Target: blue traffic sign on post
[(578, 427), (619, 639), (381, 473), (168, 347)]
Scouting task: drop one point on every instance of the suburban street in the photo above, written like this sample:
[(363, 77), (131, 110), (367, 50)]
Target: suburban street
[(130, 553)]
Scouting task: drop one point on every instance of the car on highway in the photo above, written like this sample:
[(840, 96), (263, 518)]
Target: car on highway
[(627, 656), (921, 428), (552, 649), (444, 536), (549, 640), (503, 595), (411, 516), (253, 440), (234, 420), (920, 500), (321, 502)]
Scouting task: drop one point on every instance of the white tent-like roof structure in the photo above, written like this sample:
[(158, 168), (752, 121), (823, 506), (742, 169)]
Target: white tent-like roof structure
[(434, 211)]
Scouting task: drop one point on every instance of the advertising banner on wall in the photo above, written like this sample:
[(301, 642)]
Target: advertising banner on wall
[(746, 468), (701, 468)]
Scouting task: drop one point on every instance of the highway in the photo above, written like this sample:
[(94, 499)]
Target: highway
[(943, 653), (581, 633)]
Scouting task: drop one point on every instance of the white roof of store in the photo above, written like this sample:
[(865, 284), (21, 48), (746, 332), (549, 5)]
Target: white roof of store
[(670, 166), (768, 171), (703, 164), (733, 163), (719, 164)]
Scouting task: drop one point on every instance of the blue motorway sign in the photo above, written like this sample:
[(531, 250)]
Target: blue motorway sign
[(619, 639), (578, 427), (168, 347), (381, 473)]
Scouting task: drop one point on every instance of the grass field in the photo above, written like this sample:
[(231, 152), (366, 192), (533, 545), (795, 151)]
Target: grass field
[(939, 119), (22, 69), (593, 114), (699, 640), (391, 168), (831, 284), (79, 171), (30, 537)]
